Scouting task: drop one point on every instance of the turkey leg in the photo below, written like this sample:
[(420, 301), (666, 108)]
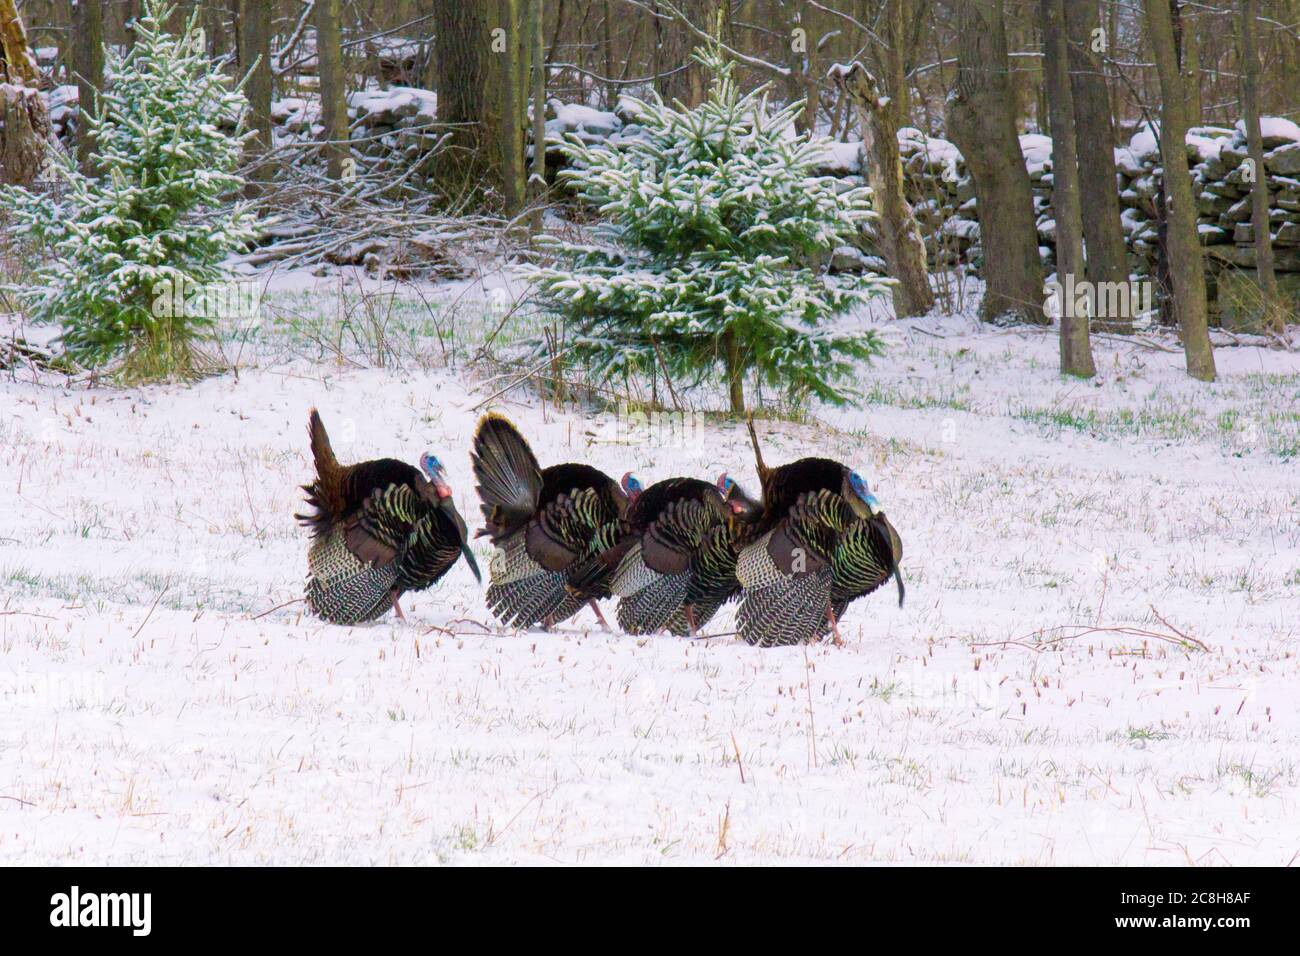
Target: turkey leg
[(596, 607), (835, 627)]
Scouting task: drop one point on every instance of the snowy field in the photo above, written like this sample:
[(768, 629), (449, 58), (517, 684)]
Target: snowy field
[(1032, 703)]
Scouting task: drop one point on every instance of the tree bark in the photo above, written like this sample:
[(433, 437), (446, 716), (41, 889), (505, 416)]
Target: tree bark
[(460, 46), (26, 119), (255, 23), (506, 71), (537, 178), (735, 373), (681, 77), (1191, 65), (1076, 351), (334, 103), (982, 122), (88, 57), (1106, 255), (1186, 269), (896, 228), (1272, 312)]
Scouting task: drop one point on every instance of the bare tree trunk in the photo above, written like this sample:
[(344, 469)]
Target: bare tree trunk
[(607, 39), (88, 56), (1191, 62), (900, 237), (682, 78), (236, 16), (802, 62), (735, 373), (130, 13), (459, 49), (1288, 73), (1107, 259), (17, 64), (1076, 351), (506, 70), (1272, 313), (26, 119), (537, 180), (334, 103), (255, 23), (1186, 269), (982, 122)]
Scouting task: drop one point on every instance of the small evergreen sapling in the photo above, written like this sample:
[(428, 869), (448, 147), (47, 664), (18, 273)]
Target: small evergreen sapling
[(709, 253), (157, 214)]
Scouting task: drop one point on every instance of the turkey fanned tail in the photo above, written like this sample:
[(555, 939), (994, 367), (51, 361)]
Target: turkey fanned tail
[(508, 475)]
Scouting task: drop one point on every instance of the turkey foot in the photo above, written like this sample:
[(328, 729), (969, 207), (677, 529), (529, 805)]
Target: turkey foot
[(398, 608), (690, 620)]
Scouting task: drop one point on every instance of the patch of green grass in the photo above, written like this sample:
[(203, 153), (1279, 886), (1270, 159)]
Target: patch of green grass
[(1261, 425), (1147, 733), (1258, 783), (957, 398), (392, 327), (884, 692)]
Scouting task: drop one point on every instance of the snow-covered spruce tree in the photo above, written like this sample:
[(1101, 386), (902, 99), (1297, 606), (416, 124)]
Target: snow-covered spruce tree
[(708, 255), (159, 213)]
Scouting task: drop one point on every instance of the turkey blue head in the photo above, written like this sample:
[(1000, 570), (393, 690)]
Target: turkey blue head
[(632, 486), (436, 473), (860, 489)]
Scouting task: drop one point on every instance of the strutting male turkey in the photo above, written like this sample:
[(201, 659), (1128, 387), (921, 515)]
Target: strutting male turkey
[(674, 560), (821, 542), (548, 525), (379, 528)]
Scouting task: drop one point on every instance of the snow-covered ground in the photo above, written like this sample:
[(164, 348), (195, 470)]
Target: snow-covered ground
[(160, 702)]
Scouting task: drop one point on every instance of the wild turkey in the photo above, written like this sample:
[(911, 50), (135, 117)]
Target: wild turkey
[(548, 524), (674, 561), (380, 528), (821, 542)]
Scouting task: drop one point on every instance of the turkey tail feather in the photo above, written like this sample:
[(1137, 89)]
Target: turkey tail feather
[(509, 478), (325, 494), (321, 449), (758, 452)]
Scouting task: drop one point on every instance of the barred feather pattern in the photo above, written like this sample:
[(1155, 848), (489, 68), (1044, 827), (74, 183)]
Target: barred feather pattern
[(703, 610), (779, 608), (654, 601), (522, 592), (341, 588), (632, 575), (648, 599)]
